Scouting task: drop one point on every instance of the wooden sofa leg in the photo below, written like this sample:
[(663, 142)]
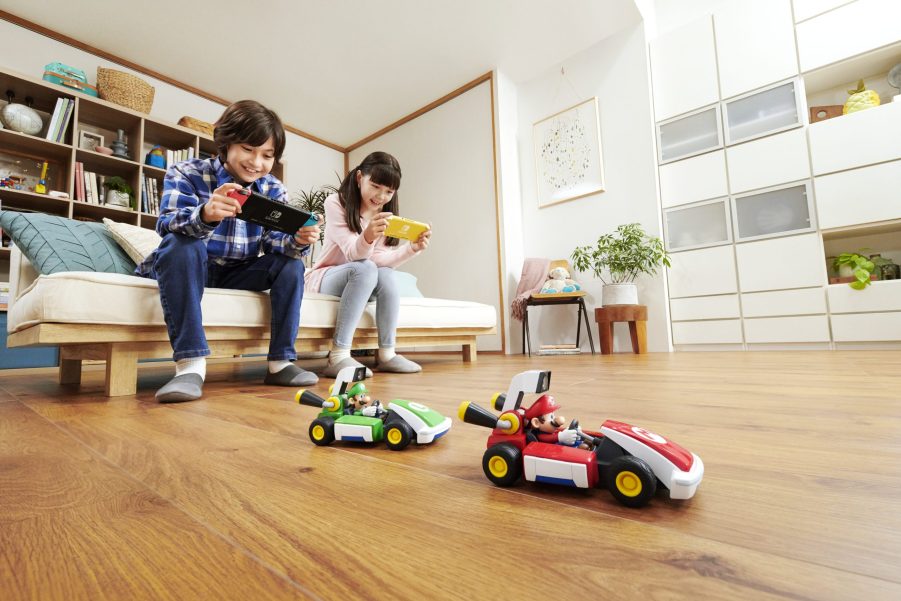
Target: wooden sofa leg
[(69, 371), (121, 370), (470, 353)]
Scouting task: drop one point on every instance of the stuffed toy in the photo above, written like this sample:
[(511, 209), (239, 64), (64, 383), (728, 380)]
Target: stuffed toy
[(559, 281)]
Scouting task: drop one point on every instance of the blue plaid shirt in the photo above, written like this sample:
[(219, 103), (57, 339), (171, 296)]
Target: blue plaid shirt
[(188, 186)]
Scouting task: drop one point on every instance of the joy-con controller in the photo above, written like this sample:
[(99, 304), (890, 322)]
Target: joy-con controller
[(240, 195)]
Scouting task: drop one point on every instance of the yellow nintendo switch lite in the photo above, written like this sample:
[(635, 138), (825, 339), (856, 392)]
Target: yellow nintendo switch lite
[(400, 227)]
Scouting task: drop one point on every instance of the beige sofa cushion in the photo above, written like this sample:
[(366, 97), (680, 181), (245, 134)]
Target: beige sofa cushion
[(137, 242)]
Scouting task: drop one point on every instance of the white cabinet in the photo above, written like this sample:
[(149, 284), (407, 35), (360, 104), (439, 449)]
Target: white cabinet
[(855, 140), (705, 307), (702, 224), (859, 196), (809, 328), (690, 135), (755, 44), (683, 69), (698, 178), (774, 212), (805, 9), (849, 30), (781, 263), (724, 331), (866, 327), (767, 111), (878, 296), (702, 272), (806, 301), (768, 162)]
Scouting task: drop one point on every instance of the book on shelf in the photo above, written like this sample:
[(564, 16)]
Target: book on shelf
[(55, 120), (64, 125), (79, 181), (559, 349), (101, 191)]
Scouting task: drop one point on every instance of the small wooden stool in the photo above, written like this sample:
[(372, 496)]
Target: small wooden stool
[(636, 315)]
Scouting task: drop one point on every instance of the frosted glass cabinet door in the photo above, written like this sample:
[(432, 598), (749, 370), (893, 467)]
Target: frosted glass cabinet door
[(773, 213), (690, 135), (768, 111), (698, 225)]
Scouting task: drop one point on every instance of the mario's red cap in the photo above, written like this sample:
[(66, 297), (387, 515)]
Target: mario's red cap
[(544, 405)]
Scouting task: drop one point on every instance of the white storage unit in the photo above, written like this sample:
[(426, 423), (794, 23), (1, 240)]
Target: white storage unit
[(866, 327), (809, 328), (705, 307), (805, 301), (781, 263), (763, 112), (773, 212), (683, 69), (690, 135), (698, 178), (857, 139), (805, 9), (768, 162), (725, 331), (703, 272), (859, 196), (755, 44), (849, 30), (698, 225), (878, 296)]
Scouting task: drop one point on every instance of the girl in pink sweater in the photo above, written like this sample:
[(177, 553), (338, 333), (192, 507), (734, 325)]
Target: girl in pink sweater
[(357, 261)]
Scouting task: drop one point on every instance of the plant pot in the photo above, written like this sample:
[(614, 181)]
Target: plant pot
[(118, 199), (619, 294), (845, 271)]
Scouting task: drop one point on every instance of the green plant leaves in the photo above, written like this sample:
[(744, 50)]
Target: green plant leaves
[(624, 255)]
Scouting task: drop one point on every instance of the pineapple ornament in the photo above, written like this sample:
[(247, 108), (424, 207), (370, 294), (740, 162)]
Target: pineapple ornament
[(860, 99)]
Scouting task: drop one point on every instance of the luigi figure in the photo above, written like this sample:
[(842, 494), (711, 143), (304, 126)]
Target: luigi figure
[(358, 402)]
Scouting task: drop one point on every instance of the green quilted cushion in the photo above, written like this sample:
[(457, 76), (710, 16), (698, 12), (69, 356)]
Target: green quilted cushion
[(54, 243)]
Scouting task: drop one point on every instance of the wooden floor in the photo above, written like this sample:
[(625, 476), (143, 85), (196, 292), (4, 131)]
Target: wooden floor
[(227, 498)]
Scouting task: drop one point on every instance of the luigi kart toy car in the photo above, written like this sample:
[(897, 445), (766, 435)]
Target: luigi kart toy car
[(350, 414), (631, 462)]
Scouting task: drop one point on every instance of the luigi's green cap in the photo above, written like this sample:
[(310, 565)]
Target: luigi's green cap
[(357, 388)]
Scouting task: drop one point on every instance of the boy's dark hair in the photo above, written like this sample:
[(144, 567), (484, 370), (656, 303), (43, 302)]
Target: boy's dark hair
[(248, 122), (382, 169)]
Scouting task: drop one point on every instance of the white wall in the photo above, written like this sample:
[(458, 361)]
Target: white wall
[(616, 71), (308, 163), (446, 156)]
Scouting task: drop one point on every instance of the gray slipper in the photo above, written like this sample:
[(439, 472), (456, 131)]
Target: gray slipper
[(186, 387), (331, 371), (399, 365), (291, 376)]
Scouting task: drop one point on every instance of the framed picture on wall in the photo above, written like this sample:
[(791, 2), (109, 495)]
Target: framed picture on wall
[(568, 157)]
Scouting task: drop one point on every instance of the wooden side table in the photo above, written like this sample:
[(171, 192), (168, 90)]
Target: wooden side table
[(556, 299), (635, 315)]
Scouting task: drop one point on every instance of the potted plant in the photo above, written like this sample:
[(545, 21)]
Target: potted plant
[(622, 256), (313, 201), (854, 265), (118, 192)]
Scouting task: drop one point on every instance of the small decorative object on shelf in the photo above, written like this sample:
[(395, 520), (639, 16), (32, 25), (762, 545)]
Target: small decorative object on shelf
[(125, 89), (894, 80), (156, 157), (828, 111), (89, 140), (853, 269), (103, 150), (21, 117), (41, 187), (350, 414), (69, 77), (197, 125), (118, 192), (119, 145), (535, 443), (860, 98), (890, 271)]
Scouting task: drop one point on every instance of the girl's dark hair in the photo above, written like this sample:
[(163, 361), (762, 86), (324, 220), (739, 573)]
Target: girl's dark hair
[(248, 122), (382, 169)]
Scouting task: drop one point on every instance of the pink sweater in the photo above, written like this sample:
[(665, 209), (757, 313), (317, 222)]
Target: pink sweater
[(343, 245)]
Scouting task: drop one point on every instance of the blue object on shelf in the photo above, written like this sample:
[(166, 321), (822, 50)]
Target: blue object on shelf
[(25, 357)]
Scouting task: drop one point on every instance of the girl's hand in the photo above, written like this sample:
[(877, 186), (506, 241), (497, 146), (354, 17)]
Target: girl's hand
[(422, 242), (308, 234), (220, 206), (376, 227)]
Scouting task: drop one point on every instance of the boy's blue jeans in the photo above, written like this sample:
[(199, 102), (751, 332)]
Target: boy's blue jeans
[(182, 271)]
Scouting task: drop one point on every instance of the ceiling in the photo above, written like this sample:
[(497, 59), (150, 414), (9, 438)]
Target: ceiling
[(342, 69)]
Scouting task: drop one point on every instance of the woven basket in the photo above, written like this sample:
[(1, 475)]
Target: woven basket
[(125, 89), (197, 125)]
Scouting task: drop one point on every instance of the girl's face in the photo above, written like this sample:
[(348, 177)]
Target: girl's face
[(373, 196), (249, 163)]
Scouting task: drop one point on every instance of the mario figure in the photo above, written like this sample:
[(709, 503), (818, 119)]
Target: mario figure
[(358, 402), (546, 426)]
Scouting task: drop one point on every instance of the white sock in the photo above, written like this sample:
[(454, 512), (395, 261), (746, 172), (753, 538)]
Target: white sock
[(386, 354), (277, 366), (194, 365), (337, 355)]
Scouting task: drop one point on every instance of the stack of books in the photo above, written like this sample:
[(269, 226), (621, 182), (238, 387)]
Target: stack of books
[(150, 197), (177, 156), (89, 186), (59, 122), (559, 349)]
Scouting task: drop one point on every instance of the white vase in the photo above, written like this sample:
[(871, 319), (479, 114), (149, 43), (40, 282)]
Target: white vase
[(118, 199), (619, 294)]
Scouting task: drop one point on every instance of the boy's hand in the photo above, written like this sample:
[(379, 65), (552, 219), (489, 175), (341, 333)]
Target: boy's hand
[(308, 234), (376, 227), (422, 242), (220, 206)]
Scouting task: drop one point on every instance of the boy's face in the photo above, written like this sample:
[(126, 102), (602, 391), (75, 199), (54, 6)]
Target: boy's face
[(249, 163)]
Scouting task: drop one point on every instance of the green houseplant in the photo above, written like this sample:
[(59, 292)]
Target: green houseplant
[(313, 201), (860, 266), (618, 258), (118, 192)]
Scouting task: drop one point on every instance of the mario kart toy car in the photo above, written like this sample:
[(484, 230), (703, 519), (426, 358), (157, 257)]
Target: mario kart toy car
[(350, 414), (631, 462)]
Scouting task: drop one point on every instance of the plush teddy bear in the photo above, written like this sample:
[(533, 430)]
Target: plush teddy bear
[(559, 281)]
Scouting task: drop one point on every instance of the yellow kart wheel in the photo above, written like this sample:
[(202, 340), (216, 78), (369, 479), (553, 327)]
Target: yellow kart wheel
[(631, 481), (398, 435), (322, 431), (502, 464)]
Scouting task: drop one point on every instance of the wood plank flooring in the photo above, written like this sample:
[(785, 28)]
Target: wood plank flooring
[(227, 498)]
